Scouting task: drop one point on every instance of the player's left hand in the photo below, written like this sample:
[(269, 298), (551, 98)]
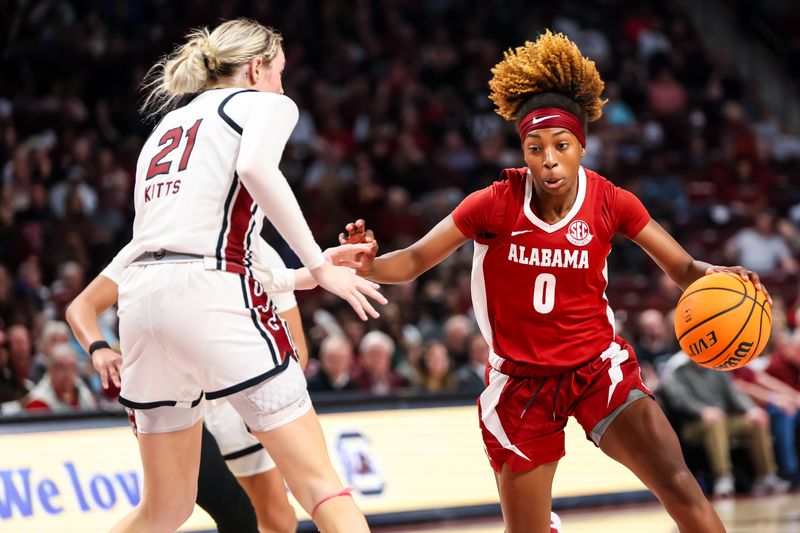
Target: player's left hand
[(744, 274), (107, 362)]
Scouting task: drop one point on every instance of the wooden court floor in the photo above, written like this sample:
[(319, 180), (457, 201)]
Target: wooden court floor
[(769, 514)]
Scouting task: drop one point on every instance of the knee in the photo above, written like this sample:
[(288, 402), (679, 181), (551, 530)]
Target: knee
[(679, 486), (169, 514)]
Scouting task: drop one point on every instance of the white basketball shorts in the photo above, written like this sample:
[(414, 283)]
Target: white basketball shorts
[(187, 333)]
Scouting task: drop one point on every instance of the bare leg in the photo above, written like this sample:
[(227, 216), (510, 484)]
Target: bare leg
[(170, 462), (301, 454), (642, 439), (525, 498), (267, 493)]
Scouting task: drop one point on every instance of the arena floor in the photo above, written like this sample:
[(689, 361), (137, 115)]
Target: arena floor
[(772, 514)]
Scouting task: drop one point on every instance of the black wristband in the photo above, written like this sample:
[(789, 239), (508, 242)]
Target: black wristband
[(96, 345)]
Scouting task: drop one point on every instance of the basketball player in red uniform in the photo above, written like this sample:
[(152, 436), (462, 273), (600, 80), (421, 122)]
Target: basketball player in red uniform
[(542, 234)]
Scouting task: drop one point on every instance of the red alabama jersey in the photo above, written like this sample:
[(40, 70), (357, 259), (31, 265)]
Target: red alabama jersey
[(538, 289)]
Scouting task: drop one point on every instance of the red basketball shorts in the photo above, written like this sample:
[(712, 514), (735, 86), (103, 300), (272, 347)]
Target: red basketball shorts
[(522, 416)]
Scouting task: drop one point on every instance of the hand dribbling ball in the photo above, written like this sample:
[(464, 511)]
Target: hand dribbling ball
[(722, 321)]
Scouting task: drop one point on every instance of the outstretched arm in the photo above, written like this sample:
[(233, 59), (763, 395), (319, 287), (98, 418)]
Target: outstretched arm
[(670, 256), (681, 267), (268, 128), (280, 279), (407, 264)]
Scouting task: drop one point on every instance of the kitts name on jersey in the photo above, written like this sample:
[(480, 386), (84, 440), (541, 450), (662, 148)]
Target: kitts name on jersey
[(545, 257), (159, 190)]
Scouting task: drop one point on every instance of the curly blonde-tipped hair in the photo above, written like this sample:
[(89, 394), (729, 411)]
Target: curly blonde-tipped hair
[(552, 65)]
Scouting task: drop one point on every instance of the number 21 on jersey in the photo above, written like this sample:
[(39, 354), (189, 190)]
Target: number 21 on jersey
[(544, 293), (170, 141)]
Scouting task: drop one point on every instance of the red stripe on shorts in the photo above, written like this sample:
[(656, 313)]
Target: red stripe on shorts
[(269, 320)]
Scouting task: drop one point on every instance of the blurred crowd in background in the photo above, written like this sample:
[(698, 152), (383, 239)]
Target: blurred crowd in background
[(396, 128)]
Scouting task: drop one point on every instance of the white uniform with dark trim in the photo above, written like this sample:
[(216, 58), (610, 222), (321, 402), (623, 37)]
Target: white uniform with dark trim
[(199, 324), (243, 453)]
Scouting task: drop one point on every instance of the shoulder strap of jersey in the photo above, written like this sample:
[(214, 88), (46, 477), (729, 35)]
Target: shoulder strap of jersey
[(227, 118)]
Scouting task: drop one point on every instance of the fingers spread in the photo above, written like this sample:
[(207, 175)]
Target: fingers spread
[(373, 293), (366, 305), (355, 304)]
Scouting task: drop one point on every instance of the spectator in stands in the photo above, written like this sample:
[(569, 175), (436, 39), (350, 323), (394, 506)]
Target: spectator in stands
[(6, 286), (457, 330), (470, 377), (655, 343), (436, 369), (662, 191), (408, 367), (761, 248), (11, 387), (29, 287), (61, 388), (335, 365), (716, 411), (54, 333), (374, 371), (667, 97), (69, 284), (784, 366), (14, 381), (782, 403)]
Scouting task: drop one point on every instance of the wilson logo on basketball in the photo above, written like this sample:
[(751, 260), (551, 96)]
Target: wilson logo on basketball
[(578, 233), (741, 352)]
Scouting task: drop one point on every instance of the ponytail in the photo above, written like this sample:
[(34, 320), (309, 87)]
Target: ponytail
[(205, 59)]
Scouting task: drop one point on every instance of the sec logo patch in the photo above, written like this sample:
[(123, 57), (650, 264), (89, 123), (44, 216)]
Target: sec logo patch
[(578, 233)]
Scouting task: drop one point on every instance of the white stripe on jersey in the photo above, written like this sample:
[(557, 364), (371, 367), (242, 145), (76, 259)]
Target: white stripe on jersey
[(478, 286)]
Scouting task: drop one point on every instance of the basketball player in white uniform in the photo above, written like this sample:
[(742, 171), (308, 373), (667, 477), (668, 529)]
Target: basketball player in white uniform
[(195, 323), (246, 458)]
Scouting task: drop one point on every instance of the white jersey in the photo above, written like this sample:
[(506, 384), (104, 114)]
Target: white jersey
[(191, 195)]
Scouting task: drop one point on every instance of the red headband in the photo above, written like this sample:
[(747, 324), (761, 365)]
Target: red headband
[(552, 117)]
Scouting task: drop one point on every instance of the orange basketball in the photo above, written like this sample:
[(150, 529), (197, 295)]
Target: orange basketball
[(722, 322)]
